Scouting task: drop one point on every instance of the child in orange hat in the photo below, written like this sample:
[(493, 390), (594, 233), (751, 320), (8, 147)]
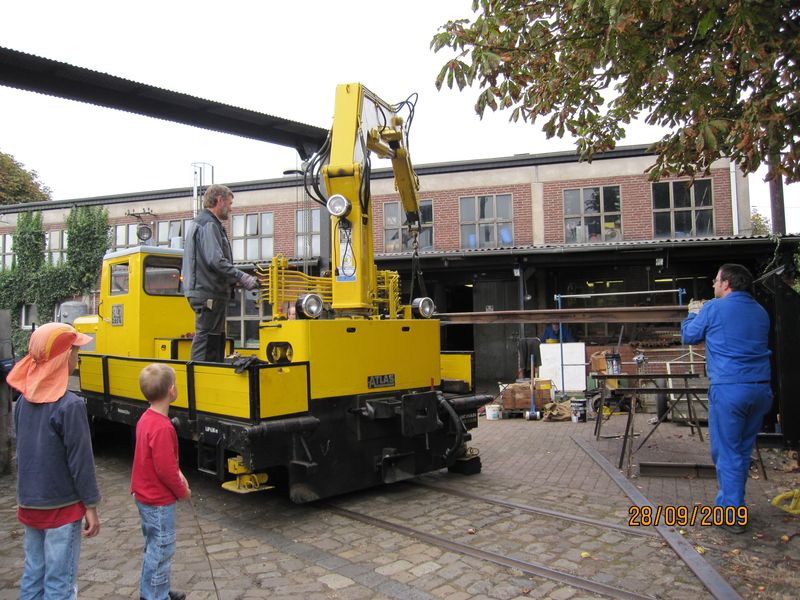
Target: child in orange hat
[(56, 483)]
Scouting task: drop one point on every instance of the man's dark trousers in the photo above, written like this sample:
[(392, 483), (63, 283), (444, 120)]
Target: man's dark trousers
[(208, 320)]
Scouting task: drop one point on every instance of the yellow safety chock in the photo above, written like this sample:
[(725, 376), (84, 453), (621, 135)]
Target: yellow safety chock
[(246, 481)]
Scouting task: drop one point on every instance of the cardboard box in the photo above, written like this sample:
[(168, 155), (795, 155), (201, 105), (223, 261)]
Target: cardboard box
[(516, 396), (598, 361)]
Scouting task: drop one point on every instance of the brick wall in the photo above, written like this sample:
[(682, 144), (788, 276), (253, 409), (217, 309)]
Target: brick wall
[(446, 230), (637, 205)]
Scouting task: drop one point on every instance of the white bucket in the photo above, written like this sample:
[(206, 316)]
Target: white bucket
[(493, 412)]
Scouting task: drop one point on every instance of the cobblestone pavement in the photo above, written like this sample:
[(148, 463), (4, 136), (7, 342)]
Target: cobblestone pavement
[(260, 545)]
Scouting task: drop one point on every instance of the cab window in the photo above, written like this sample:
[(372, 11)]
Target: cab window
[(119, 279), (162, 276)]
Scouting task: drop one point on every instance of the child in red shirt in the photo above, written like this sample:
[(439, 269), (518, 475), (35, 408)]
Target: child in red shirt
[(157, 482)]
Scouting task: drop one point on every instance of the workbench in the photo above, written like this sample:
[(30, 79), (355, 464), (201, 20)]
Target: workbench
[(687, 392)]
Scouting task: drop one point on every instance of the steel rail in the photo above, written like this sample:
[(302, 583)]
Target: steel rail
[(711, 579), (634, 314), (542, 511), (529, 568)]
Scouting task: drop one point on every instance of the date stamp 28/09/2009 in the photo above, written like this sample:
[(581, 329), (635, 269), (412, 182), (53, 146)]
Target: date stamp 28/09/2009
[(687, 516)]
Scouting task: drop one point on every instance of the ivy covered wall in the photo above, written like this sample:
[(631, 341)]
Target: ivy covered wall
[(32, 280)]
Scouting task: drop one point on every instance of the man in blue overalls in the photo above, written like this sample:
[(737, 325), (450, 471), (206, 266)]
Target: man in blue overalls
[(736, 330)]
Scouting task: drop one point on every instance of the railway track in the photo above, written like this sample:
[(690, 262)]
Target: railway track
[(498, 523)]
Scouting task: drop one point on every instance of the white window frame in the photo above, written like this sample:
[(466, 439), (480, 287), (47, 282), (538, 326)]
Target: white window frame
[(492, 223), (577, 221), (242, 316), (29, 315), (56, 246), (693, 210), (6, 251), (128, 237), (397, 229), (307, 240), (249, 240)]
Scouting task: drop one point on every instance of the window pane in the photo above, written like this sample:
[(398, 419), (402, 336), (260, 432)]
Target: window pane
[(485, 207), (391, 241), (301, 221), (391, 214), (65, 240), (660, 195), (572, 202), (426, 211), (315, 219), (487, 236), (235, 332), (163, 232), (237, 247), (266, 224), (591, 200), (238, 225), (662, 227), (119, 236), (251, 334), (251, 225), (266, 248), (55, 240), (504, 206), (704, 222), (133, 239), (174, 229), (235, 305), (315, 241), (252, 248), (119, 279), (680, 195), (468, 238), (426, 238), (251, 302), (467, 209), (683, 223), (160, 279), (702, 192), (593, 229), (571, 230), (611, 202), (612, 228), (505, 233), (9, 243)]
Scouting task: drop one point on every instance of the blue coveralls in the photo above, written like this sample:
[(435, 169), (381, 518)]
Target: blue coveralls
[(736, 331)]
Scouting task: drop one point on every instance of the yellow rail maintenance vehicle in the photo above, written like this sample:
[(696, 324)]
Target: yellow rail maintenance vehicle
[(352, 392)]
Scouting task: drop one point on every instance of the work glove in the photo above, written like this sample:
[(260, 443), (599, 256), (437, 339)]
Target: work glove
[(695, 306), (248, 282)]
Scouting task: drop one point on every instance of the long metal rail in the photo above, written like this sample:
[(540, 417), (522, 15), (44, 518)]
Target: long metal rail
[(635, 531), (529, 568), (634, 314)]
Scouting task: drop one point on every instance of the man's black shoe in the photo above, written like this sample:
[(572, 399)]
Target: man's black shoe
[(737, 529), (177, 596)]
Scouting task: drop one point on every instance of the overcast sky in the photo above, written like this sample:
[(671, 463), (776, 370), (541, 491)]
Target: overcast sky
[(283, 59)]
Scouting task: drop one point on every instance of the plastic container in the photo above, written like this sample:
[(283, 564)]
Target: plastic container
[(493, 412)]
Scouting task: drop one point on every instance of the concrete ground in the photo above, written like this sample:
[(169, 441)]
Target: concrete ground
[(258, 546)]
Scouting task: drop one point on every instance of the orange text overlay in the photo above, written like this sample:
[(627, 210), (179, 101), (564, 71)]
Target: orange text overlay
[(686, 516)]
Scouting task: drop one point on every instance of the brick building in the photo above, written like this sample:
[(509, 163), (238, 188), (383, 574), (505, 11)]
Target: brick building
[(503, 233)]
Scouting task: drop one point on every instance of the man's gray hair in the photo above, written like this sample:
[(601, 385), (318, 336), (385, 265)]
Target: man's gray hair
[(213, 192)]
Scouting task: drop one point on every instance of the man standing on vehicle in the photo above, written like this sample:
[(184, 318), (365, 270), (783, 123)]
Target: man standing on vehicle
[(736, 331), (209, 275)]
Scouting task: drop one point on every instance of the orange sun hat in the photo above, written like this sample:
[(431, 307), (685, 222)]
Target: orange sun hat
[(43, 375)]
